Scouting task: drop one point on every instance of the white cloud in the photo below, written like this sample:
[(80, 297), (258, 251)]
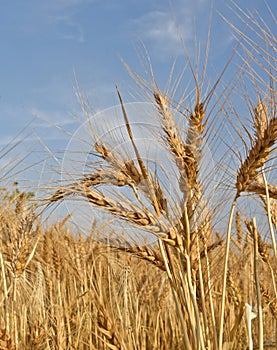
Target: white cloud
[(68, 29), (159, 30), (159, 26)]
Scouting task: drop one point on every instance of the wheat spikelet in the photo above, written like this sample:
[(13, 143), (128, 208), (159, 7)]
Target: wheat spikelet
[(20, 256), (20, 205), (263, 250), (260, 189), (104, 152), (117, 178), (260, 119), (122, 172), (273, 211), (161, 200), (196, 129), (125, 172), (233, 291), (107, 329), (239, 229), (47, 245), (269, 203), (126, 168), (133, 171), (57, 260)]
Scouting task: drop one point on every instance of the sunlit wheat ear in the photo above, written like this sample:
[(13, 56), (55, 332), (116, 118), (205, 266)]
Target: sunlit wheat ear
[(107, 329), (147, 253), (256, 158), (260, 189), (125, 169), (185, 154), (262, 246), (233, 291), (131, 172), (239, 230), (272, 206), (184, 157), (140, 217), (269, 301), (249, 176), (123, 172), (109, 156)]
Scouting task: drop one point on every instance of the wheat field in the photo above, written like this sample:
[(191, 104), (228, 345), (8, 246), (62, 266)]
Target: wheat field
[(207, 277)]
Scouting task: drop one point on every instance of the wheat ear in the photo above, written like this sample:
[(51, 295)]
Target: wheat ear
[(257, 157)]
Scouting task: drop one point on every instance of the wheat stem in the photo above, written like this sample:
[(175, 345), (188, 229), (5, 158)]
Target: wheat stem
[(269, 215), (224, 280), (258, 290), (180, 312)]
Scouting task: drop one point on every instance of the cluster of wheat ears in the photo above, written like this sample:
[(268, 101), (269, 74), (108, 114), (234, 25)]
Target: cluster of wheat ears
[(208, 280)]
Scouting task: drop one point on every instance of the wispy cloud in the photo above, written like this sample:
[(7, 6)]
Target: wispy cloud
[(47, 119), (68, 29), (57, 15), (26, 123), (158, 28)]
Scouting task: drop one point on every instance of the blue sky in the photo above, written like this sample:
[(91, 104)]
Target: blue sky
[(44, 44)]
